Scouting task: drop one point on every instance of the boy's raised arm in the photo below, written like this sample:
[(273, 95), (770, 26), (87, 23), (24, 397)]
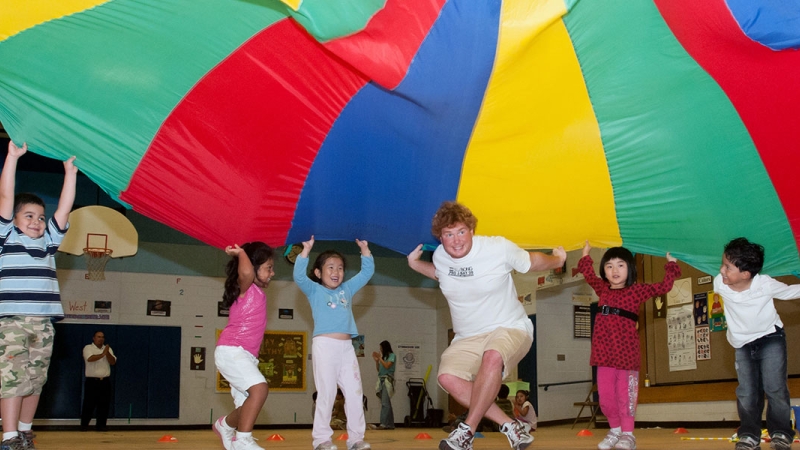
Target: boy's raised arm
[(67, 193), (8, 179)]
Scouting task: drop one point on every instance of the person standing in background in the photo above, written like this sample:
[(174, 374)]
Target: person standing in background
[(385, 363), (97, 388)]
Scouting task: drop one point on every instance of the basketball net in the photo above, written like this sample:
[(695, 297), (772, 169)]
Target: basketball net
[(96, 259)]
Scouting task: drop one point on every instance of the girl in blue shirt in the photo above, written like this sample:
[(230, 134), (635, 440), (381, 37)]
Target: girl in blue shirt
[(334, 359)]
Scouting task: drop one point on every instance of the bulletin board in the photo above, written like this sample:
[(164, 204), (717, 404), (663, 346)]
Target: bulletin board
[(281, 359), (720, 366)]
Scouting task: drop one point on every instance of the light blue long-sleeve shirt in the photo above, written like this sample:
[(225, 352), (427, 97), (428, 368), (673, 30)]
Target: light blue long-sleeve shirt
[(333, 308)]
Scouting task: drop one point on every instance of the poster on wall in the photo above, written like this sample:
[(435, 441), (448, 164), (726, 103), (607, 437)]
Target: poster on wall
[(703, 341), (717, 310), (102, 306), (659, 308), (681, 292), (281, 360), (408, 363), (158, 308), (358, 345), (700, 309), (680, 338), (198, 360), (582, 321)]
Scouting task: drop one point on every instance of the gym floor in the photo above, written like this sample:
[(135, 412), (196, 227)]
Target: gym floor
[(547, 437)]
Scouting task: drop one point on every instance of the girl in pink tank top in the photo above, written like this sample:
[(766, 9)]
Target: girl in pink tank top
[(248, 272)]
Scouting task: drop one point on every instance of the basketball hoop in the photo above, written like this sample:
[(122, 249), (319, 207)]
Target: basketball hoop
[(96, 259)]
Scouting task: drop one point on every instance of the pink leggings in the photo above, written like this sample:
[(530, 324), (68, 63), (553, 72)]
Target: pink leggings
[(619, 392)]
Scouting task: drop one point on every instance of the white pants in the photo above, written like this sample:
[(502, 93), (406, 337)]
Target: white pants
[(335, 364)]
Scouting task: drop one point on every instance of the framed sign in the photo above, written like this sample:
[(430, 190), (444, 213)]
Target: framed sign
[(281, 359), (158, 308)]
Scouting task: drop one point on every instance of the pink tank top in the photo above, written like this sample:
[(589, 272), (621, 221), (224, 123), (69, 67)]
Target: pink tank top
[(247, 321)]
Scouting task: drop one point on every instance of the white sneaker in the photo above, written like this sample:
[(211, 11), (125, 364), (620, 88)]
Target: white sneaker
[(626, 442), (246, 443), (360, 445), (225, 432), (516, 434), (326, 446), (609, 441), (460, 439)]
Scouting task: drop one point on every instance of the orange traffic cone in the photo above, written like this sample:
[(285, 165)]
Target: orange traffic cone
[(423, 436), (680, 430), (585, 433), (343, 437), (276, 437), (168, 438)]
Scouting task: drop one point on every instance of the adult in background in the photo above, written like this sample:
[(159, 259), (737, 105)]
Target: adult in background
[(492, 330), (97, 389), (385, 363)]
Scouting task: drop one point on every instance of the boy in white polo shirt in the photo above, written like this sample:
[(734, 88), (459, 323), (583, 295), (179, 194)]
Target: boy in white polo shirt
[(756, 332)]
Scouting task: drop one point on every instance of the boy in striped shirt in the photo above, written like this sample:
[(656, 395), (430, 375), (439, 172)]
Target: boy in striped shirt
[(29, 296)]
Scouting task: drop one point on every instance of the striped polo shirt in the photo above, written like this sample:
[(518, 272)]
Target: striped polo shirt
[(28, 283)]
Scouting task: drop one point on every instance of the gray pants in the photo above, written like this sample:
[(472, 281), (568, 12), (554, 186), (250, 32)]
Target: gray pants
[(387, 415)]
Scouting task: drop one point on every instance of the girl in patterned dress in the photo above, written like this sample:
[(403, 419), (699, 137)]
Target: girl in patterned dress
[(615, 341)]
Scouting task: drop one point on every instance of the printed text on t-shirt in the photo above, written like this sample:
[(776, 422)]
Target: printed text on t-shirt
[(461, 272)]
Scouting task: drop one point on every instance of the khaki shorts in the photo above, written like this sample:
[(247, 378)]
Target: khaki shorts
[(26, 345), (463, 357)]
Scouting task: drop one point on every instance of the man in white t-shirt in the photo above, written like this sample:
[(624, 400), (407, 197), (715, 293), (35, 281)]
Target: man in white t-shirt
[(492, 330), (97, 389)]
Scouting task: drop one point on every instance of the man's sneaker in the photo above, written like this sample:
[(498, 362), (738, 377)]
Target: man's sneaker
[(459, 439), (245, 443), (516, 434), (360, 445), (326, 446), (609, 441), (748, 443), (780, 442), (224, 432), (625, 442), (27, 440), (12, 444)]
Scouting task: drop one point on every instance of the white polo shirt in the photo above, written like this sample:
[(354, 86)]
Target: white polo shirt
[(99, 368)]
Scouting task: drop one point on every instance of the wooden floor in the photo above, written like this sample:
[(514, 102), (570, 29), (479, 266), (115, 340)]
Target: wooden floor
[(550, 437)]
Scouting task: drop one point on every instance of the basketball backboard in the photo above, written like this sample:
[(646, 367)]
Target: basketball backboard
[(100, 227)]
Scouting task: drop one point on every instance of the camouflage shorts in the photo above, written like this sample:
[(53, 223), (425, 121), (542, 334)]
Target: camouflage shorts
[(26, 345)]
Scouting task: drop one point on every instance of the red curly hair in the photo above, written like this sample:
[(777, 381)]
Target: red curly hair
[(449, 214)]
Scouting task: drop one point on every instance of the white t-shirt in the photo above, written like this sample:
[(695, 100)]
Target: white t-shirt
[(531, 416), (751, 314), (479, 287)]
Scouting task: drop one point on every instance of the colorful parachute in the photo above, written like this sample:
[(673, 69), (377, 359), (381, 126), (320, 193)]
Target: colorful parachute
[(662, 125)]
